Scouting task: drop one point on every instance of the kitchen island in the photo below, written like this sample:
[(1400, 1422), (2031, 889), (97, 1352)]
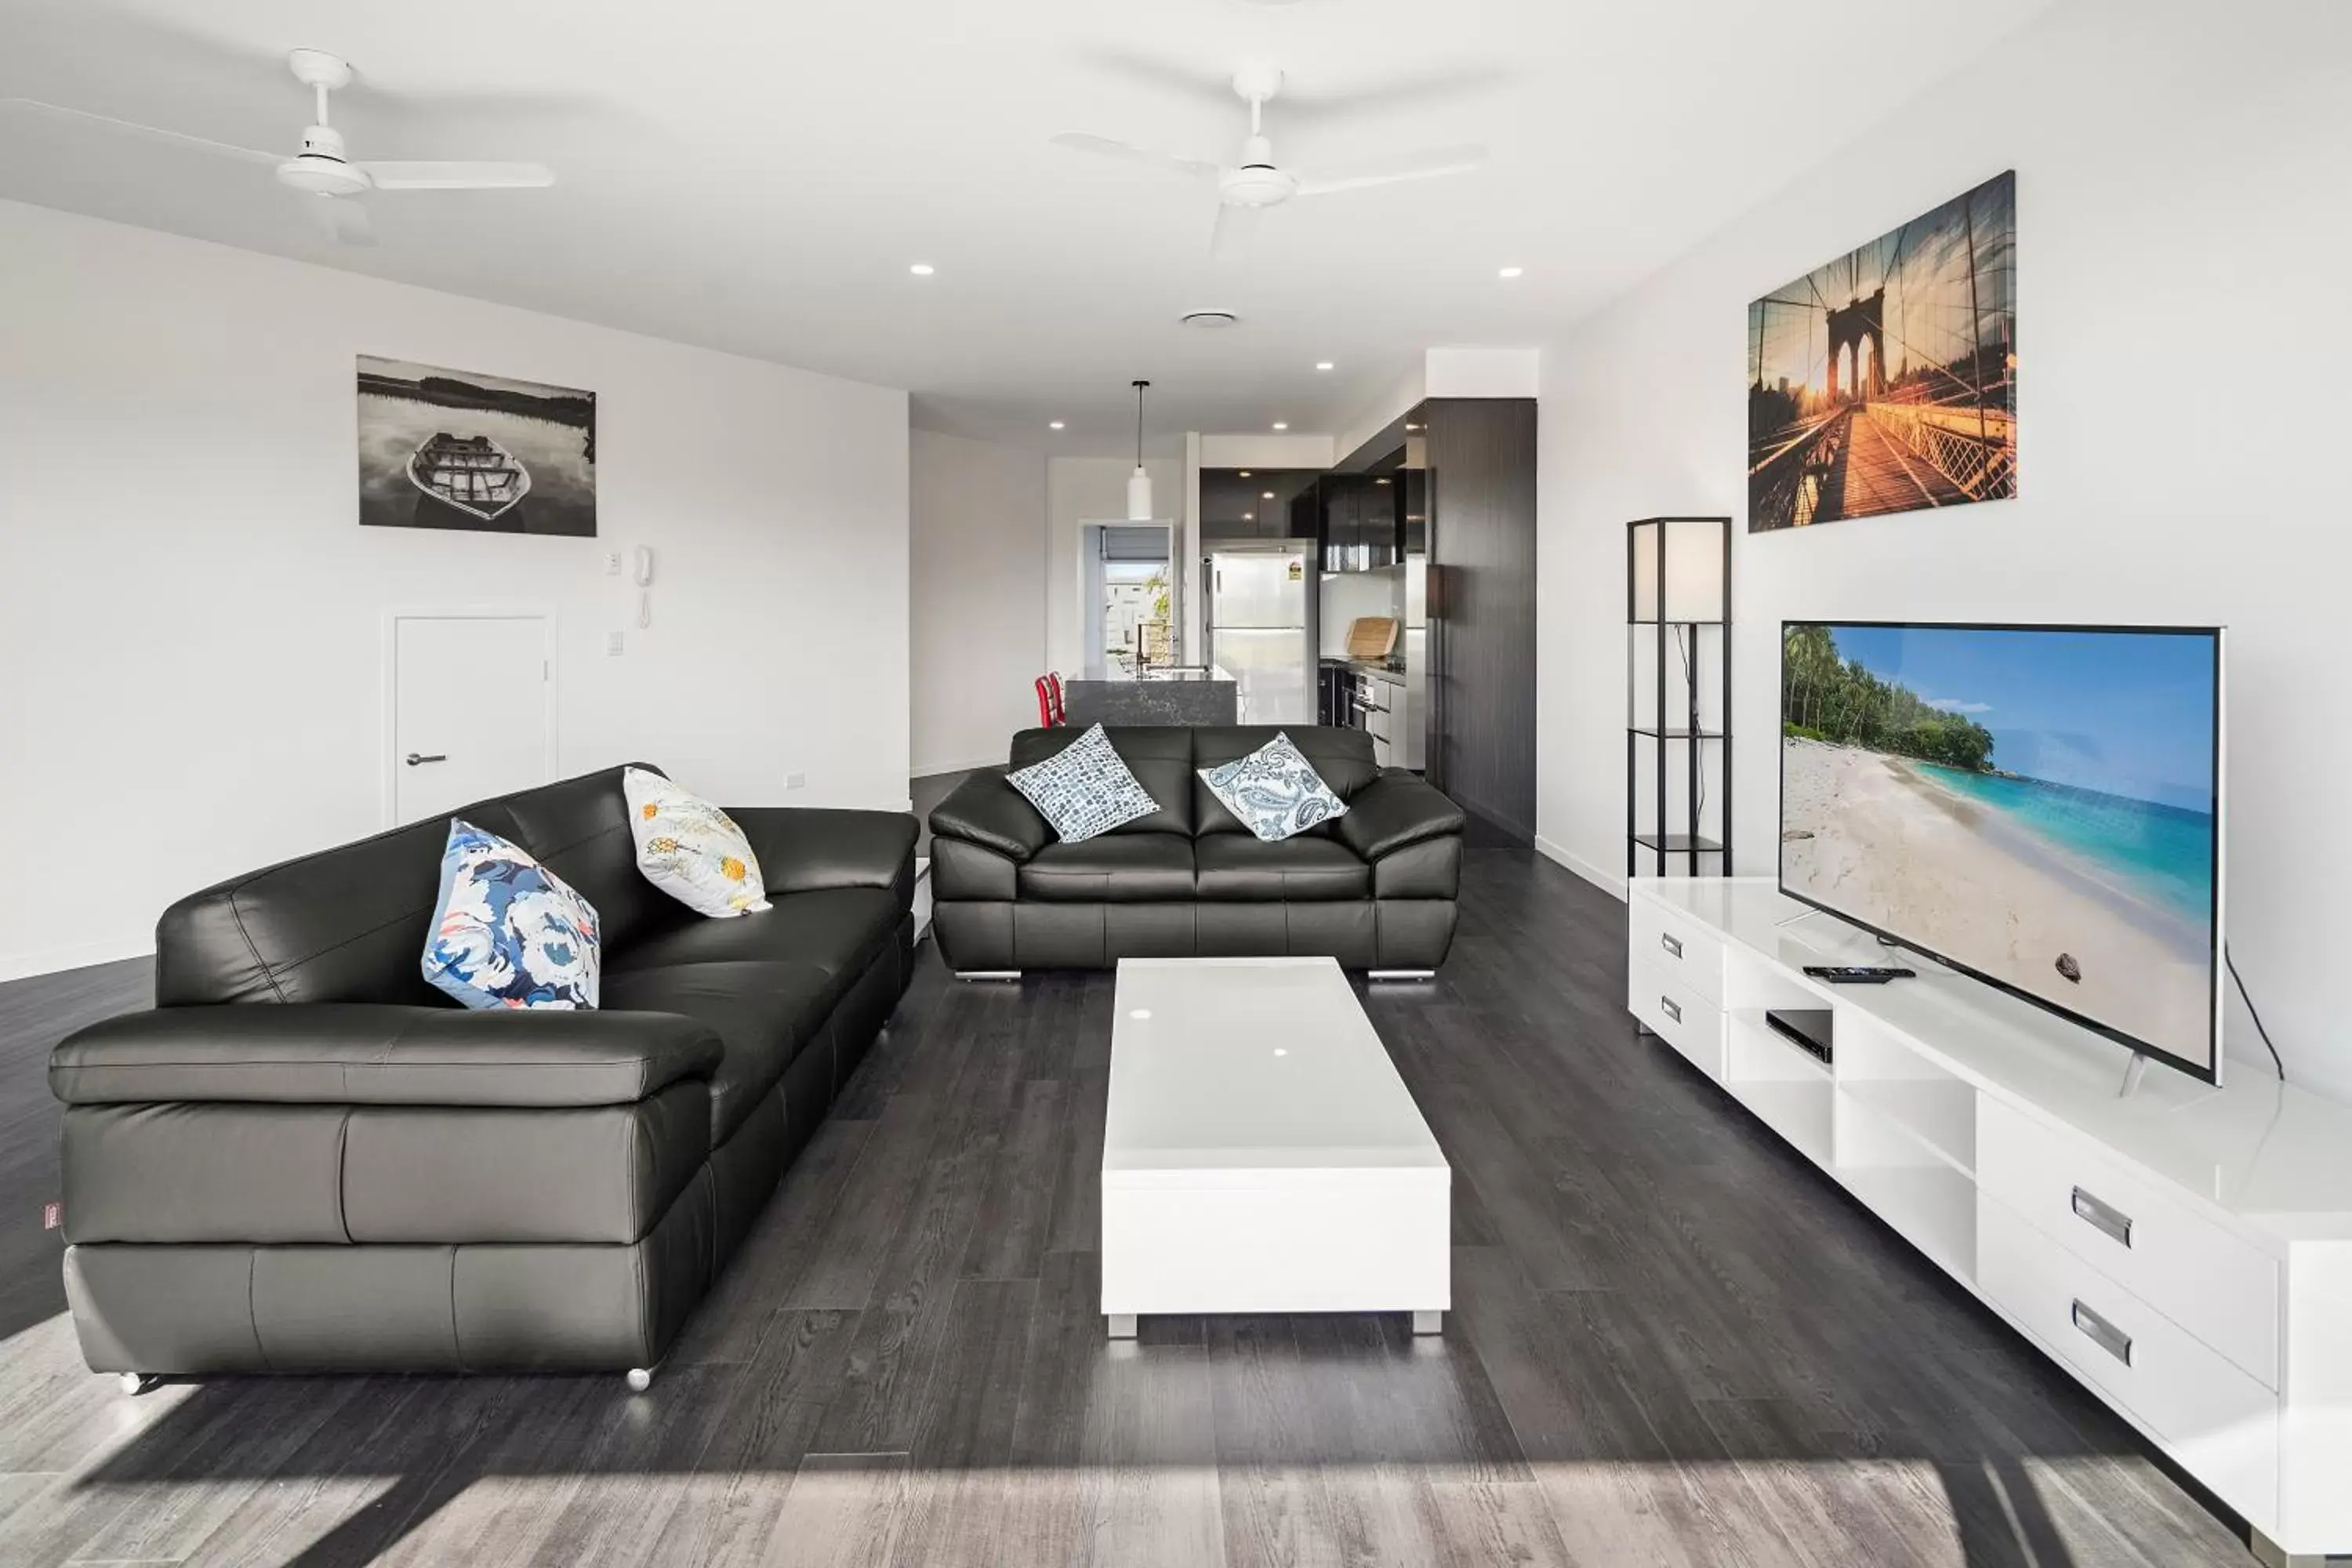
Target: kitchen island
[(1174, 694)]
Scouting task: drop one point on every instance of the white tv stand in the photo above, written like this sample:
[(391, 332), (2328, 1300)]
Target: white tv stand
[(2185, 1252)]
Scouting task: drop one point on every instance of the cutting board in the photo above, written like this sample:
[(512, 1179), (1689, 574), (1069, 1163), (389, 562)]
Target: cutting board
[(1371, 637)]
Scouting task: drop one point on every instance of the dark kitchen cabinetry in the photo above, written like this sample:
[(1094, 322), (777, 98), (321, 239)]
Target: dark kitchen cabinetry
[(1257, 503), (1363, 522)]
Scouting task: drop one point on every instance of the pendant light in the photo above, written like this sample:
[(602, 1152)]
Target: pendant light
[(1139, 484)]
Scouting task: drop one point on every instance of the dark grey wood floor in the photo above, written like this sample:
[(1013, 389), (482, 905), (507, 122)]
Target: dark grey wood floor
[(1673, 1343)]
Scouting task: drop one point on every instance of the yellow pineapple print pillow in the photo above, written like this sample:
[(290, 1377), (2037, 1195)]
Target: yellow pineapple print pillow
[(690, 849)]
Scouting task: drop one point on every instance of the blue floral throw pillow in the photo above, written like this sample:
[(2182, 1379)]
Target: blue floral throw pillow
[(1083, 789), (1275, 790), (508, 932)]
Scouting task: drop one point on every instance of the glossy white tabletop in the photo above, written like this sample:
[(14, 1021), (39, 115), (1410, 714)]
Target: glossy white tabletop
[(1237, 1063)]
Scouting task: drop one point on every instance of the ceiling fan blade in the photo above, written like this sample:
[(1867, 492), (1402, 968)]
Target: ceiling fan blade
[(1235, 231), (415, 176), (1103, 146), (250, 154), (1426, 165)]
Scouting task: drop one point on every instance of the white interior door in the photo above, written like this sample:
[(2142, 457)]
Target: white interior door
[(469, 710)]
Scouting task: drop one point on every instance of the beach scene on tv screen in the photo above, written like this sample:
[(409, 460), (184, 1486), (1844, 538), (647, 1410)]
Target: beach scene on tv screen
[(2036, 806)]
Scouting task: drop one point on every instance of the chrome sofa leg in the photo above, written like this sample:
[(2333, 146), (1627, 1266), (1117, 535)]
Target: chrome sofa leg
[(1012, 974), (640, 1378), (1429, 1323), (1401, 974), (134, 1383)]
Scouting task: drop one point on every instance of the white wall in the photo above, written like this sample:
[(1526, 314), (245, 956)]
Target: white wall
[(2184, 325), (1094, 490), (978, 524), (192, 618)]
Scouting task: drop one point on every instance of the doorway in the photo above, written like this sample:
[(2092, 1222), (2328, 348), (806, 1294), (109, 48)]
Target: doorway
[(469, 712)]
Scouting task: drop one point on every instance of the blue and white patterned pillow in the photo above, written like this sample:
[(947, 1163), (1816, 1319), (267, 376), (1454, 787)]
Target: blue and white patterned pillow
[(1275, 790), (1083, 789), (507, 931)]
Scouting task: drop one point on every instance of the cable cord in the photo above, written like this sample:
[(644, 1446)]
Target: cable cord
[(2247, 996)]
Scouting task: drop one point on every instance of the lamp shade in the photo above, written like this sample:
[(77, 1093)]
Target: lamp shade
[(1139, 496)]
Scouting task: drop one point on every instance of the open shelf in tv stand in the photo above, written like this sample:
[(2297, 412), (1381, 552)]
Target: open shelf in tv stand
[(2185, 1252)]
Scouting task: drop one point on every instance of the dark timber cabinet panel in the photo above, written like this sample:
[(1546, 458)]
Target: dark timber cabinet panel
[(1482, 605)]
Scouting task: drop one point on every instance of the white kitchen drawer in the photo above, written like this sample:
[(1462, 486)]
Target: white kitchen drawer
[(2220, 1288), (1661, 996), (2219, 1422), (1679, 944)]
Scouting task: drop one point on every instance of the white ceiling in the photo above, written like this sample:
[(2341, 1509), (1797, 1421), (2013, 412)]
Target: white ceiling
[(756, 175)]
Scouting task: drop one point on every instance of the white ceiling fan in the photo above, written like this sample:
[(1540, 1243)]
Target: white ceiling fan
[(1256, 182), (321, 169)]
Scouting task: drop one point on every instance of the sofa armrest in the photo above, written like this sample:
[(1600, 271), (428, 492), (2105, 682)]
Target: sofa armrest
[(360, 1054), (1395, 810), (807, 848), (988, 811)]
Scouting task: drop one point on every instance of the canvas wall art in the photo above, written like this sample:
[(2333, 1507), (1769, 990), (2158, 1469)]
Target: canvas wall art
[(1886, 380), (489, 454)]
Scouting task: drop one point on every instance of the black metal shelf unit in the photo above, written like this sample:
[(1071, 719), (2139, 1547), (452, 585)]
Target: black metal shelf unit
[(1681, 725)]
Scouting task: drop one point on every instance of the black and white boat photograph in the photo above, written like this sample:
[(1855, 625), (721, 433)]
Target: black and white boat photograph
[(446, 448)]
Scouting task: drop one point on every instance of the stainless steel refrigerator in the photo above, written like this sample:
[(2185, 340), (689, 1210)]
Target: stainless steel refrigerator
[(1259, 630)]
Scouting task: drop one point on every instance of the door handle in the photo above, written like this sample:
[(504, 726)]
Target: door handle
[(414, 760)]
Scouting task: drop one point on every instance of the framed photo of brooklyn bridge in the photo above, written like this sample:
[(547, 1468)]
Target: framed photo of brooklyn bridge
[(1885, 380)]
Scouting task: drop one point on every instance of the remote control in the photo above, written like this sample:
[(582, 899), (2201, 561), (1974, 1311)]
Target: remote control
[(1858, 973)]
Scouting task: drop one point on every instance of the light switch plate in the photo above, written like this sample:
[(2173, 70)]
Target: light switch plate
[(613, 644), (612, 563), (796, 781)]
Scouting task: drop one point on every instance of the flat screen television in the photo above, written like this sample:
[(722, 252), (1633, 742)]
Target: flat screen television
[(2037, 807)]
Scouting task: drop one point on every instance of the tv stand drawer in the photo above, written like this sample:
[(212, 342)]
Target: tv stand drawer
[(1670, 1007), (2222, 1289), (1675, 945)]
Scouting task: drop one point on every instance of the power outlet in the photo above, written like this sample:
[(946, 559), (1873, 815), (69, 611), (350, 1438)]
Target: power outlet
[(613, 644), (796, 781), (612, 563)]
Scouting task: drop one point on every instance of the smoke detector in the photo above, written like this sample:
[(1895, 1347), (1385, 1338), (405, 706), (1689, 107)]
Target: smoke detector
[(1209, 321)]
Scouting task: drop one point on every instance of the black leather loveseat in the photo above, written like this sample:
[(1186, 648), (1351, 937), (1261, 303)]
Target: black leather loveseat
[(1374, 888), (308, 1159)]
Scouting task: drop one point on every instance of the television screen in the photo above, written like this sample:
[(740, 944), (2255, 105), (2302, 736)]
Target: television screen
[(2037, 805)]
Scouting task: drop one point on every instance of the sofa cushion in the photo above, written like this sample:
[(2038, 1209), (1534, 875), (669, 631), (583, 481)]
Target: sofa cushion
[(1274, 791), (690, 849), (1159, 756), (509, 932), (1083, 789), (1303, 869), (764, 1012), (1118, 868), (1341, 758)]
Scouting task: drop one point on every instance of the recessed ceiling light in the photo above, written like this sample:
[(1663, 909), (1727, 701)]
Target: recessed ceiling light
[(922, 269), (1280, 425), (1140, 1013), (1056, 425), (1512, 271), (1380, 481), (1323, 364), (1249, 516), (1265, 495), (1246, 473)]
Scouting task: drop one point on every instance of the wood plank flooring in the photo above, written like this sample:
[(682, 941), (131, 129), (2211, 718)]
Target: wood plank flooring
[(1675, 1345)]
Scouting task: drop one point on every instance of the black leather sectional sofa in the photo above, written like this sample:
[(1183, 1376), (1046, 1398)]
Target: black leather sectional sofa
[(306, 1159), (1374, 888)]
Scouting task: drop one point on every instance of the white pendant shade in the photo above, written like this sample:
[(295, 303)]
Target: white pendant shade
[(1139, 496)]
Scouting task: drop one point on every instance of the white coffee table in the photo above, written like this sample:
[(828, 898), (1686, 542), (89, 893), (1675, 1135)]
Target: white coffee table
[(1260, 1153)]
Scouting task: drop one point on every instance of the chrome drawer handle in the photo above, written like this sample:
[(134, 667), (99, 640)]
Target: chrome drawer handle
[(2103, 1333), (1667, 1004), (1672, 944), (2104, 1219)]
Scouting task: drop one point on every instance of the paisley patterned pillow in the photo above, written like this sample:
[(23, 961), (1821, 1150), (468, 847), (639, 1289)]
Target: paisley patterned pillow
[(692, 850), (508, 932), (1083, 789), (1275, 790)]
